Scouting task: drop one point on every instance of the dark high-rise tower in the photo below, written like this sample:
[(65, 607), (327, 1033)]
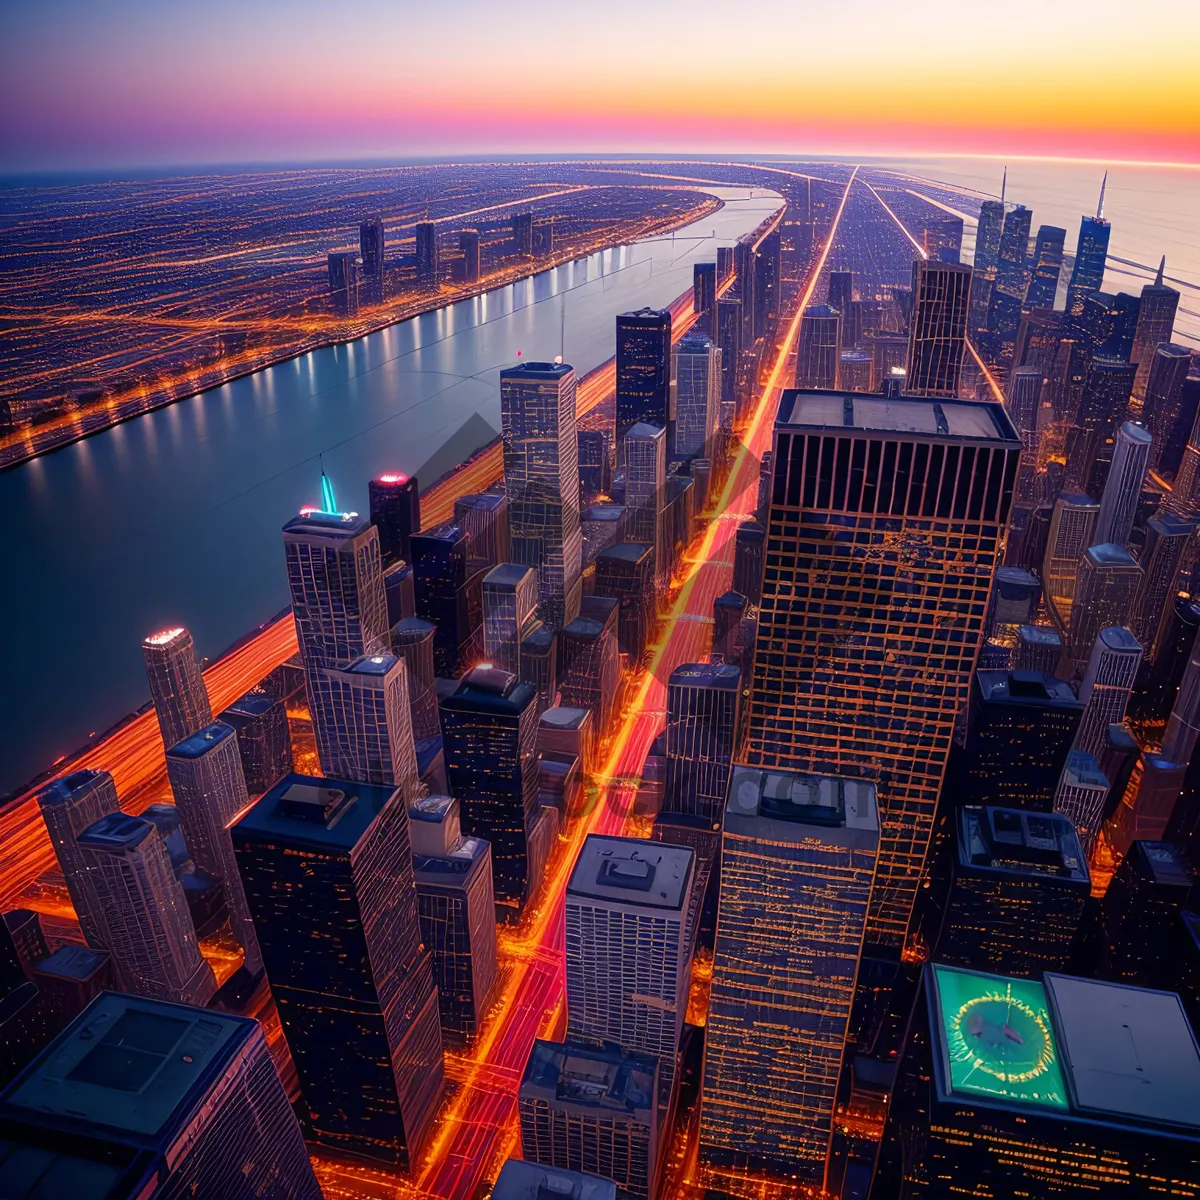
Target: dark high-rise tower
[(1087, 275), (818, 348), (396, 513), (427, 252), (704, 297), (1047, 264), (1012, 269), (371, 245), (327, 869), (987, 235), (141, 1098), (176, 685), (1155, 325), (703, 710), (882, 511), (938, 331), (468, 244), (643, 367)]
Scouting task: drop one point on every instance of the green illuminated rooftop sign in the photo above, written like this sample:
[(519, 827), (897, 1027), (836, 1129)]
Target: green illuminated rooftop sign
[(997, 1039)]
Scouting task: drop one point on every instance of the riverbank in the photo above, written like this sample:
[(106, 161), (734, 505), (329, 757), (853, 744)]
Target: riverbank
[(29, 442)]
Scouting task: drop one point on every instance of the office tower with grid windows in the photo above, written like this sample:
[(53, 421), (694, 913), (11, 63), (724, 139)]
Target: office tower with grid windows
[(589, 667), (1091, 254), (510, 598), (468, 245), (520, 1180), (884, 532), (484, 518), (1103, 405), (1123, 489), (68, 806), (1071, 527), (697, 396), (371, 245), (798, 859), (327, 869), (395, 513), (448, 595), (625, 573), (748, 551), (142, 912), (643, 368), (1047, 265), (729, 340), (1081, 796), (628, 947), (1155, 325), (987, 236), (938, 330), (1165, 415), (142, 1098), (210, 793), (363, 722), (645, 451), (942, 239), (541, 478), (522, 233), (489, 730), (1107, 682), (819, 347), (458, 914), (1106, 587), (176, 685), (263, 738), (1012, 266), (703, 723), (590, 1106), (704, 297), (412, 640), (1019, 882)]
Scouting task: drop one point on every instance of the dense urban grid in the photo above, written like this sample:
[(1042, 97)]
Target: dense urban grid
[(770, 769)]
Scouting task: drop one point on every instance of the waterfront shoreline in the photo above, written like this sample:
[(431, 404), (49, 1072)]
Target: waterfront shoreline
[(19, 451)]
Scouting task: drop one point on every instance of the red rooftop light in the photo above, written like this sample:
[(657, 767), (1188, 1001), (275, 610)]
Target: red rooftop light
[(392, 477)]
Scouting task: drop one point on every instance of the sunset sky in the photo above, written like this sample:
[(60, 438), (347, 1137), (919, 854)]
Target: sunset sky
[(125, 83)]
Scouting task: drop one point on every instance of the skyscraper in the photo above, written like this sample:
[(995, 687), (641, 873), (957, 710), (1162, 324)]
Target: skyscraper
[(698, 395), (412, 640), (1123, 489), (468, 244), (1019, 882), (1164, 415), (1167, 538), (395, 513), (342, 268), (987, 235), (541, 477), (942, 239), (522, 233), (336, 581), (1012, 267), (69, 805), (1155, 325), (1111, 673), (591, 1107), (327, 868), (428, 267), (703, 720), (1106, 587), (263, 738), (625, 572), (729, 340), (798, 858), (839, 684), (142, 1098), (643, 368), (520, 1180), (489, 728), (704, 297), (1091, 252), (589, 672), (142, 914), (818, 348), (1081, 796), (176, 685), (1103, 406), (448, 595), (363, 722), (1071, 527), (371, 245), (938, 330), (1047, 263), (645, 492), (510, 599), (210, 793), (628, 954), (483, 516), (458, 913)]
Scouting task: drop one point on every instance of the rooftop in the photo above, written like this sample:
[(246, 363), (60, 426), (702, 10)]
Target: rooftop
[(1014, 842), (332, 814), (1117, 637), (72, 961), (958, 419), (1076, 500), (489, 689), (202, 741), (586, 1074), (714, 675), (604, 512), (844, 810), (1039, 635), (116, 831), (1085, 769), (626, 552), (1109, 554), (536, 370), (507, 575), (560, 717), (126, 1068), (520, 1180), (327, 525), (373, 664), (253, 704), (632, 871), (67, 787), (1032, 688), (643, 430), (1167, 864)]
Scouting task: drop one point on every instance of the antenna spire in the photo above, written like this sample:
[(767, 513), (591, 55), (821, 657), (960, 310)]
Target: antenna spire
[(1003, 185), (328, 503), (1162, 266), (1100, 206)]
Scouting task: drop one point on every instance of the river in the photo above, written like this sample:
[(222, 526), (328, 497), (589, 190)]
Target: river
[(174, 517)]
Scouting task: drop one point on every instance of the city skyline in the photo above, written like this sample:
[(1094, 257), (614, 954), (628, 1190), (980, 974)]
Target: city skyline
[(1116, 96)]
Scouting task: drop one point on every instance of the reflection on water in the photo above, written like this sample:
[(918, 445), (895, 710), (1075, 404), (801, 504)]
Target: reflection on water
[(174, 517)]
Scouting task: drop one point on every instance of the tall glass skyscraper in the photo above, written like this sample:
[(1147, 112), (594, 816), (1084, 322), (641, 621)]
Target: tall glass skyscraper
[(987, 235), (819, 347), (176, 685), (1047, 264), (1123, 489), (938, 331), (1012, 269), (643, 367), (703, 723), (1091, 252), (541, 477), (1155, 325), (884, 531), (698, 395), (798, 859), (510, 599), (327, 868), (141, 1098)]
